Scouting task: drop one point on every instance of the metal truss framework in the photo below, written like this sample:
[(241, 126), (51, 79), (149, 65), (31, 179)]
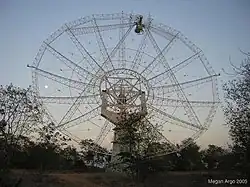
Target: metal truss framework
[(102, 70)]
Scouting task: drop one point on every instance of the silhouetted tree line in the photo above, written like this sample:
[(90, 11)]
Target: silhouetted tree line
[(46, 155), (21, 115)]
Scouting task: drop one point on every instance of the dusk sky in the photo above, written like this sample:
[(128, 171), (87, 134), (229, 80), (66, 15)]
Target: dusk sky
[(218, 27)]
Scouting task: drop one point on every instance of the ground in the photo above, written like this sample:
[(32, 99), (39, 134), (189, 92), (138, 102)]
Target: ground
[(171, 179)]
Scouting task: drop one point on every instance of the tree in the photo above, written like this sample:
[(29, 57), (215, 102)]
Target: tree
[(212, 157), (189, 157), (237, 112), (227, 160), (94, 154), (19, 111), (139, 141), (72, 159), (49, 146)]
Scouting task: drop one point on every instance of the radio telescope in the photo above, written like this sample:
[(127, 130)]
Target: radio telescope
[(91, 69)]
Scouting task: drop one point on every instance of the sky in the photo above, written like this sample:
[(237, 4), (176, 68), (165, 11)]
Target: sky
[(219, 28)]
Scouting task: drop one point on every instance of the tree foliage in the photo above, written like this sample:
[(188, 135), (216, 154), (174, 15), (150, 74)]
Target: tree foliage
[(189, 157), (94, 154), (212, 157), (237, 112), (19, 111), (139, 140)]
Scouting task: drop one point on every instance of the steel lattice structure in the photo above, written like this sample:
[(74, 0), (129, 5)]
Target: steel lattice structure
[(85, 56)]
